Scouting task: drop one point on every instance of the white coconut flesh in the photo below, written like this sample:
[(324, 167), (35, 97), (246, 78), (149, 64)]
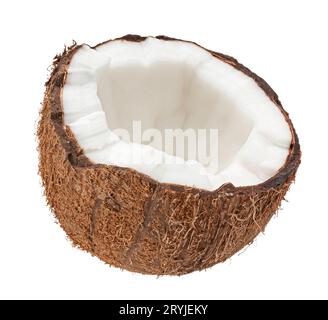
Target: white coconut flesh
[(171, 85)]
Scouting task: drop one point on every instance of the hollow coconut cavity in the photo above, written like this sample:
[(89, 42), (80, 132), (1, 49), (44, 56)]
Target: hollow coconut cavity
[(173, 85), (147, 205)]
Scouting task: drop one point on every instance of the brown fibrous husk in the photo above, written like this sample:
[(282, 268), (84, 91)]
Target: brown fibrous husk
[(133, 222)]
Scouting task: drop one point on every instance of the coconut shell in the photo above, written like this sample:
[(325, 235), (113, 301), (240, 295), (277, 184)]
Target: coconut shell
[(135, 223)]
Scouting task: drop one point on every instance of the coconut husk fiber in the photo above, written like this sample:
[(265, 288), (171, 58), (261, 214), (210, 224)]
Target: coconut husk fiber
[(135, 223)]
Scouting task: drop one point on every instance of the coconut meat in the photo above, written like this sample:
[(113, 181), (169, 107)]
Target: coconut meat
[(173, 85)]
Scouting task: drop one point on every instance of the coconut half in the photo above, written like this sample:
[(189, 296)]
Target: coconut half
[(149, 205)]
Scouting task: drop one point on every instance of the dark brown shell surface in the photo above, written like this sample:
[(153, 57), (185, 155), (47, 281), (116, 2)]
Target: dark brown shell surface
[(133, 222)]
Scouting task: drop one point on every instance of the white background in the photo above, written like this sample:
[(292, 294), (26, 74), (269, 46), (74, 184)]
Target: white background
[(283, 41)]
